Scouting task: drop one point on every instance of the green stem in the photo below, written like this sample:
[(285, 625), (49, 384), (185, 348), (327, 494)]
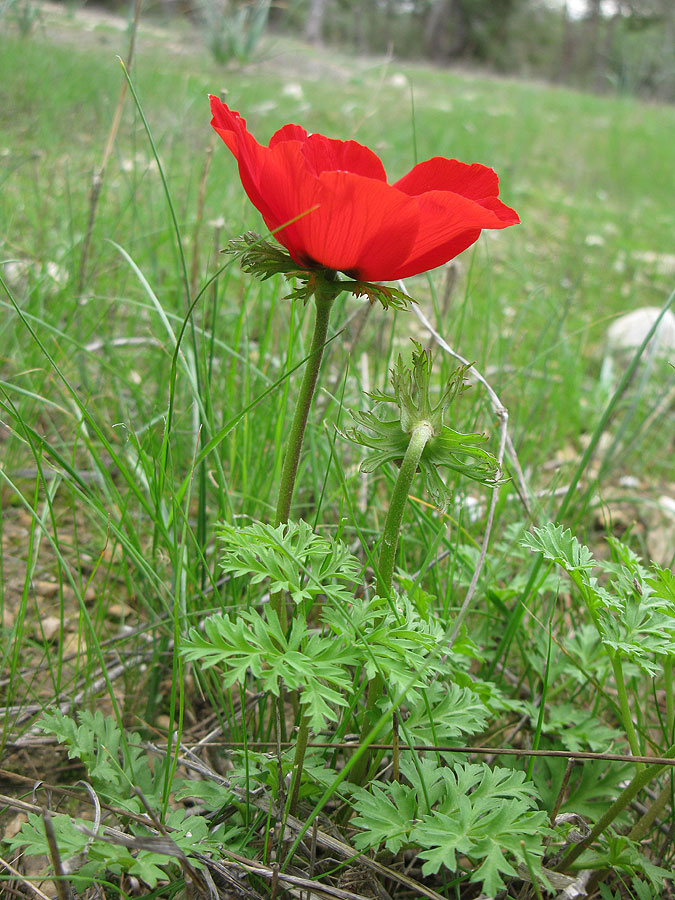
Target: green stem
[(626, 716), (323, 299), (637, 832), (419, 438), (643, 777), (641, 827), (300, 749), (323, 302)]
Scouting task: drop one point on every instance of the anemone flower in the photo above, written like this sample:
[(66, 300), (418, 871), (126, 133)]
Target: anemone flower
[(343, 213)]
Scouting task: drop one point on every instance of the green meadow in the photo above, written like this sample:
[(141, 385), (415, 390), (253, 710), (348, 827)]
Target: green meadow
[(121, 452)]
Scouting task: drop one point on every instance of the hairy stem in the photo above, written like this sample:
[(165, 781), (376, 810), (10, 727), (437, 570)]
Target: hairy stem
[(392, 527), (419, 438), (670, 704), (640, 829), (323, 302), (323, 299)]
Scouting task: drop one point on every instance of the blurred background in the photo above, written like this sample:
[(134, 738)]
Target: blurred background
[(602, 45)]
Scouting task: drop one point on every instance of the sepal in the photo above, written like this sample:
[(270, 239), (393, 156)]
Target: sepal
[(388, 439), (264, 260)]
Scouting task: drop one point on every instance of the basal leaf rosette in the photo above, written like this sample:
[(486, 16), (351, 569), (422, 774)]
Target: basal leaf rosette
[(388, 439)]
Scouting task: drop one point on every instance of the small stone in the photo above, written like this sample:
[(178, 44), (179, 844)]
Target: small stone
[(74, 643), (663, 263), (46, 589), (293, 90), (119, 611), (398, 80), (48, 628), (13, 827), (627, 334), (629, 331)]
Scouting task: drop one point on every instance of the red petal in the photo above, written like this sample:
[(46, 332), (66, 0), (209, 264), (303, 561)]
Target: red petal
[(363, 227), (251, 155), (448, 225), (438, 174), (346, 216), (288, 133), (360, 226), (326, 155), (438, 255), (501, 210), (226, 122)]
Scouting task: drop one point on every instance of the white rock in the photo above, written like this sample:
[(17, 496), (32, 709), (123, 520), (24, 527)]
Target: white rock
[(629, 331), (293, 89)]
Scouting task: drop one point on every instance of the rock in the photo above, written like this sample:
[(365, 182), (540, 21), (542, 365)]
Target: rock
[(628, 332), (48, 627)]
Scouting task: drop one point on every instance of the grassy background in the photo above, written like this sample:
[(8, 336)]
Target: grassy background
[(97, 537)]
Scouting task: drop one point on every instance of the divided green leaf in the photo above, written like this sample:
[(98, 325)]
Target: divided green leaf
[(294, 559)]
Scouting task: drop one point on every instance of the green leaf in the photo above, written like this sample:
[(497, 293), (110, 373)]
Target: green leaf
[(662, 583), (146, 866), (294, 559), (633, 614), (113, 764), (386, 815), (305, 661), (447, 448), (485, 815), (426, 778), (380, 293), (397, 639), (560, 546), (69, 839), (452, 712), (577, 730), (619, 853), (264, 259)]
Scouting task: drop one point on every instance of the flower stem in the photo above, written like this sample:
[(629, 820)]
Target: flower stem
[(323, 302), (642, 826), (392, 527), (419, 438), (323, 299)]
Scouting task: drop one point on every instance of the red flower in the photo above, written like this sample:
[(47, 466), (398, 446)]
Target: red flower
[(351, 220)]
